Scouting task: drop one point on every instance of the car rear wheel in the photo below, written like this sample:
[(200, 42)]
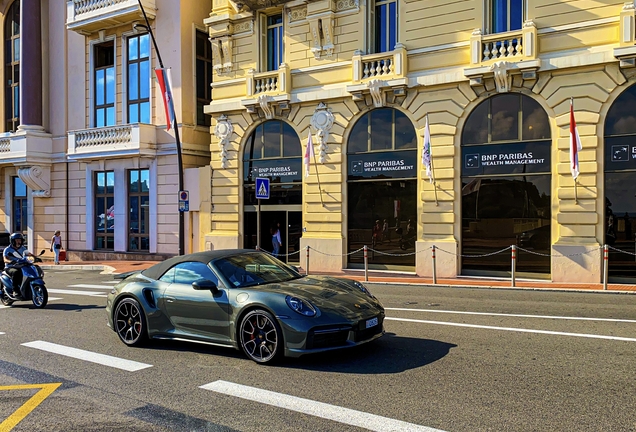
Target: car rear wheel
[(261, 337), (130, 323)]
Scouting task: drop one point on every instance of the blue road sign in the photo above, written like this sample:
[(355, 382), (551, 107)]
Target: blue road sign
[(262, 188)]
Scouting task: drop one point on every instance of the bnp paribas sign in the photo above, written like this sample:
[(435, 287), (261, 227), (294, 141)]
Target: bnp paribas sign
[(514, 158)]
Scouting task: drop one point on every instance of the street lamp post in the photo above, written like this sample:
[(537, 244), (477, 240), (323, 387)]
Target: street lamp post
[(176, 133)]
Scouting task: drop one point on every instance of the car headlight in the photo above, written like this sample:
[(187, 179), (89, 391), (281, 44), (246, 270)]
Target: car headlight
[(364, 289), (303, 307)]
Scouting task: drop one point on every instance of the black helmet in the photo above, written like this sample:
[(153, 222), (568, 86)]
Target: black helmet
[(14, 237)]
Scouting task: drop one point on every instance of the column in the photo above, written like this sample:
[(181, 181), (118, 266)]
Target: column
[(30, 64)]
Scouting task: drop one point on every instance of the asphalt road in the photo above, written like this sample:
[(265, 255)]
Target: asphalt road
[(452, 360)]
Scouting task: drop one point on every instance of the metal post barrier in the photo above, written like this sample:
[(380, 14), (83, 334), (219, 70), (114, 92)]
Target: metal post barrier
[(434, 268), (307, 262), (514, 263), (605, 265), (366, 264)]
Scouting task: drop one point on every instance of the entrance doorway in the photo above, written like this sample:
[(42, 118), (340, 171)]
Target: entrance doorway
[(290, 223)]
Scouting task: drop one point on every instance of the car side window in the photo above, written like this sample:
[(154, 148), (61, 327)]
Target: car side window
[(168, 277), (188, 272)]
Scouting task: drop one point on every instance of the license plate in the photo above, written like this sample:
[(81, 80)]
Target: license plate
[(372, 322)]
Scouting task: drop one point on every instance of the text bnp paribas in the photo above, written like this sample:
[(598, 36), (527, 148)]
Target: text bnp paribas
[(510, 159)]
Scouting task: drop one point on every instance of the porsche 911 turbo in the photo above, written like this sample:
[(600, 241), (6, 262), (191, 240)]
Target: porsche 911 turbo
[(244, 299)]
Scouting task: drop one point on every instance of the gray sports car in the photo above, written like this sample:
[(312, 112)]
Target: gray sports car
[(243, 299)]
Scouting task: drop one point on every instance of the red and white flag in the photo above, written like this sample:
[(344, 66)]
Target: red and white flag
[(309, 154), (165, 84), (575, 144)]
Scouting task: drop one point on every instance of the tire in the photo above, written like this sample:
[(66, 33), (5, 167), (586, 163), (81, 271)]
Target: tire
[(261, 337), (130, 323), (39, 296), (6, 301)]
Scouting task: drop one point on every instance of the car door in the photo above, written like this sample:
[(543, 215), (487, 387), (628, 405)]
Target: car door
[(199, 313)]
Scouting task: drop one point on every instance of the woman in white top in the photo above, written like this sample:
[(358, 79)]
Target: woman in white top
[(56, 245)]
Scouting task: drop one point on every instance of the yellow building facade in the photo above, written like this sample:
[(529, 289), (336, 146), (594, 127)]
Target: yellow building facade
[(494, 80)]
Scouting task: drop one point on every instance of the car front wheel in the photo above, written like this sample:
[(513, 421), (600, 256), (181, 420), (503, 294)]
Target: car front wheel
[(129, 321), (260, 336)]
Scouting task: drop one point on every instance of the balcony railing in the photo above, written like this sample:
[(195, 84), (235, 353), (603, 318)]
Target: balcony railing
[(384, 66), (272, 82), (25, 147), (512, 46), (124, 140), (88, 16)]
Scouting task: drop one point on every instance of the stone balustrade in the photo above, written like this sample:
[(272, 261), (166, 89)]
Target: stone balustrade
[(89, 16), (387, 65), (121, 140), (511, 46), (271, 82)]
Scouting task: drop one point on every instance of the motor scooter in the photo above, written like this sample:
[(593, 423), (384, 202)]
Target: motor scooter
[(32, 286)]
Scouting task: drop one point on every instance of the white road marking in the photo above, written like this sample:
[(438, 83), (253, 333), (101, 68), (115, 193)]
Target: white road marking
[(515, 315), (89, 286), (112, 282), (87, 293), (1, 333), (318, 409), (591, 336), (106, 360)]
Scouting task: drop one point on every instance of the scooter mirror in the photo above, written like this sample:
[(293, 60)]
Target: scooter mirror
[(42, 252)]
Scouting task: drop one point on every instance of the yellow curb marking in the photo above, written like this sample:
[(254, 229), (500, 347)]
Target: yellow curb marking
[(30, 405)]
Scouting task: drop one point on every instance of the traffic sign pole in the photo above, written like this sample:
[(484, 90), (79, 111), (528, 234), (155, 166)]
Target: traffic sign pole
[(258, 225)]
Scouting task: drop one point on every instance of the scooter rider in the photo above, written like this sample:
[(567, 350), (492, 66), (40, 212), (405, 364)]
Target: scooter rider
[(12, 254)]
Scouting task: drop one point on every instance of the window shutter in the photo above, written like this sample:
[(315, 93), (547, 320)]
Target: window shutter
[(263, 42)]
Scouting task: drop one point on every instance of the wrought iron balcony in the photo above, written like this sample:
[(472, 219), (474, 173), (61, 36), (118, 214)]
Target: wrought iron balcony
[(113, 141), (89, 16)]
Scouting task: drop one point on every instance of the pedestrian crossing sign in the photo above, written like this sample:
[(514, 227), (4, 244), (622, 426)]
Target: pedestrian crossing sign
[(262, 188)]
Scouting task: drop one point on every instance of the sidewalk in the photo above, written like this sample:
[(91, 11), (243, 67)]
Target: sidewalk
[(117, 267)]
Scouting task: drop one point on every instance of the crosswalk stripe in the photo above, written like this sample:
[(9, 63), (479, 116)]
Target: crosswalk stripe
[(89, 286), (87, 293), (103, 359), (318, 409)]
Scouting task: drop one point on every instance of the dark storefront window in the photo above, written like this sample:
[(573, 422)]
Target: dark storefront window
[(620, 185), (138, 210), (105, 210), (274, 151), (20, 212), (382, 189), (204, 77), (506, 186)]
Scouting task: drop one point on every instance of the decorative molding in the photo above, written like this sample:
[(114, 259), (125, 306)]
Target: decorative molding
[(314, 31), (296, 14), (322, 121), (223, 131), (327, 31), (375, 88), (38, 178), (264, 101), (242, 27), (503, 79), (343, 5), (226, 47)]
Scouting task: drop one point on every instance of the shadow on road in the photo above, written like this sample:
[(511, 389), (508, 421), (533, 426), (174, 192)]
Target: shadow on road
[(389, 354), (71, 307)]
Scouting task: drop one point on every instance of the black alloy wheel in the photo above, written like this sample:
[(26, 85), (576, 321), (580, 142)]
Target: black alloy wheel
[(260, 336), (130, 323)]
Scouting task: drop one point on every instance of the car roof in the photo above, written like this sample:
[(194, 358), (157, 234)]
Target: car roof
[(157, 270)]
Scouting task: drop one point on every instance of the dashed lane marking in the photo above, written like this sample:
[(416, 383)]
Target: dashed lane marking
[(103, 359), (45, 391), (522, 330), (515, 315), (318, 409)]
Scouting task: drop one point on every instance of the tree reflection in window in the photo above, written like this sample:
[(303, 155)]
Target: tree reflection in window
[(382, 129)]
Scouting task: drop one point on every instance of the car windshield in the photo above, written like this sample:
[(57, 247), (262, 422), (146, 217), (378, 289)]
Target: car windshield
[(254, 269)]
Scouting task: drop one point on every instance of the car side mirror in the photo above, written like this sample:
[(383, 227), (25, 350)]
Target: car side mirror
[(205, 285)]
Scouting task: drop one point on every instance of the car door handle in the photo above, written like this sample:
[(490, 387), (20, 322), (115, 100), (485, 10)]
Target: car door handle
[(170, 299)]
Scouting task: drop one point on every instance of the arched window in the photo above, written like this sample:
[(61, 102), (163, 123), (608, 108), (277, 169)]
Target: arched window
[(382, 189), (620, 178), (506, 185), (12, 67), (273, 151)]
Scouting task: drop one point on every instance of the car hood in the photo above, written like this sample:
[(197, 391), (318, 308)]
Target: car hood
[(330, 294)]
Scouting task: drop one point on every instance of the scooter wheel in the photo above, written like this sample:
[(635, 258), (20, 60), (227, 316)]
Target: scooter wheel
[(5, 300), (40, 296)]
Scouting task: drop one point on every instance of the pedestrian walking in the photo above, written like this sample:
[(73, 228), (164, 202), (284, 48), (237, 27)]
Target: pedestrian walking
[(276, 241), (56, 245)]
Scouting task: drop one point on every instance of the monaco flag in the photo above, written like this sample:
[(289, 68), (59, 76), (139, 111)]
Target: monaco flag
[(309, 154), (165, 84), (575, 144)]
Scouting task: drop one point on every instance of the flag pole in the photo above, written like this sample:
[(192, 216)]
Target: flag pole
[(576, 200), (316, 166), (430, 153)]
